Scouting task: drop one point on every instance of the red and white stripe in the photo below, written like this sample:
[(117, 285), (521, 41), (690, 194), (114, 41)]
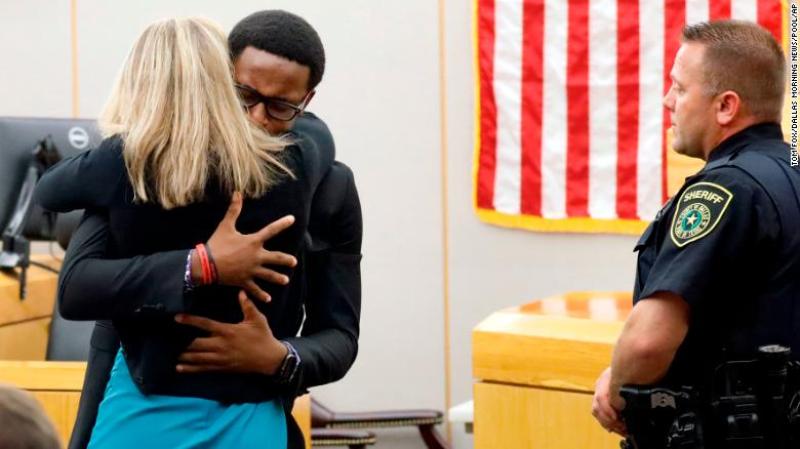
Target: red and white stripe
[(571, 121), (554, 157)]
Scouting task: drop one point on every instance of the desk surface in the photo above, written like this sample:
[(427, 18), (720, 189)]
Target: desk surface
[(562, 342)]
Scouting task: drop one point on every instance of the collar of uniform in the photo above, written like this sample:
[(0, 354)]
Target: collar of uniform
[(734, 143)]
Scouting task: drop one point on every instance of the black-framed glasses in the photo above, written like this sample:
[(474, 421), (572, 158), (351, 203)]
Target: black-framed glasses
[(277, 109)]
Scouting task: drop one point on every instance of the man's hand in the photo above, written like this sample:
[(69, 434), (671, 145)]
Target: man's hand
[(240, 258), (602, 409), (652, 334), (244, 347)]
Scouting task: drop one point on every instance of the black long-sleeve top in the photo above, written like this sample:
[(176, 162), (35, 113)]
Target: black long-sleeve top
[(142, 301), (327, 281)]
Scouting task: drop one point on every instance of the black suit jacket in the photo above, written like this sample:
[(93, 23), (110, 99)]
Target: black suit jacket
[(328, 284)]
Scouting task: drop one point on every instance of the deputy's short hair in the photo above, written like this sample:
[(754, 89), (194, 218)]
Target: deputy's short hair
[(23, 424), (283, 34), (745, 58)]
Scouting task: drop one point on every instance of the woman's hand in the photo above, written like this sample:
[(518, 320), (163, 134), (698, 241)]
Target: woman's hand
[(244, 347), (240, 259)]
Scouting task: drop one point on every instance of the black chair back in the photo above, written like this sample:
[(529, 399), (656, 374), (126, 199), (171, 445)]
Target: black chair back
[(69, 340)]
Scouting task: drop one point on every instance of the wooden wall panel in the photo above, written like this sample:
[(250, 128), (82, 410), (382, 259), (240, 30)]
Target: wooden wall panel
[(25, 341), (24, 324), (62, 408), (41, 294), (536, 366), (512, 417)]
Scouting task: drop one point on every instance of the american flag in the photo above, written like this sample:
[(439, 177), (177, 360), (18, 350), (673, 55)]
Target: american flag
[(571, 130)]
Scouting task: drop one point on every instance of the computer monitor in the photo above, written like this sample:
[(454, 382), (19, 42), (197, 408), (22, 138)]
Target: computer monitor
[(18, 138)]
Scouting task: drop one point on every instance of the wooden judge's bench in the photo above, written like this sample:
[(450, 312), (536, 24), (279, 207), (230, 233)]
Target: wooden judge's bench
[(536, 366), (24, 331)]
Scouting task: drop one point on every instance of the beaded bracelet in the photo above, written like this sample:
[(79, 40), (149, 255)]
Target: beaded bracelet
[(188, 283)]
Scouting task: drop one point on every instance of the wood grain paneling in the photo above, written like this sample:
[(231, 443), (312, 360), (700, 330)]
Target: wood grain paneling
[(560, 342), (41, 293), (25, 341), (511, 417), (536, 367)]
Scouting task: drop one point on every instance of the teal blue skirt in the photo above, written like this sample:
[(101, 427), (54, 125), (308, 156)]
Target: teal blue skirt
[(129, 419)]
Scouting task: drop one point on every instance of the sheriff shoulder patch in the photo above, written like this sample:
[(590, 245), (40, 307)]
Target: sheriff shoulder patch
[(698, 211)]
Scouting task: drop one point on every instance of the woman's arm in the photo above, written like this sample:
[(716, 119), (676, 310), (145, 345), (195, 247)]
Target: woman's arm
[(84, 180), (94, 288)]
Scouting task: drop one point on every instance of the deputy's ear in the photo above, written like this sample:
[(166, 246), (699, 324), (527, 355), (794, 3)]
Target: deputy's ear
[(728, 104)]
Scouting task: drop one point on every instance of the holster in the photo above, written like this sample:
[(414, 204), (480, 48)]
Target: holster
[(661, 418), (749, 404)]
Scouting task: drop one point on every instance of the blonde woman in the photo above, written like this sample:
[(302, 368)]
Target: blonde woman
[(178, 148)]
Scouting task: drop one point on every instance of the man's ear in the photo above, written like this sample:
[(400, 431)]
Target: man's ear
[(728, 104)]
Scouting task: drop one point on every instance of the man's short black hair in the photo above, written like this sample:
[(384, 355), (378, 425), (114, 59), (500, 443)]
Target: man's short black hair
[(283, 34)]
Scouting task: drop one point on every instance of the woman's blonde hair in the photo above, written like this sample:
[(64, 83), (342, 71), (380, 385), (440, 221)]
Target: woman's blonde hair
[(175, 107)]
